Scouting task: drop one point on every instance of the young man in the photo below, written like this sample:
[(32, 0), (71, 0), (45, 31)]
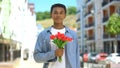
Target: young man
[(47, 53)]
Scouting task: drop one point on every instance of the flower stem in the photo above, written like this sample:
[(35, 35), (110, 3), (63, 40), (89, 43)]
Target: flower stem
[(60, 59)]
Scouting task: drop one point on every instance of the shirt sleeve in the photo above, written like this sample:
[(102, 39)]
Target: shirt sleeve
[(40, 55), (77, 52)]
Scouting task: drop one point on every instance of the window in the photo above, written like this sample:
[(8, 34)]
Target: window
[(118, 10)]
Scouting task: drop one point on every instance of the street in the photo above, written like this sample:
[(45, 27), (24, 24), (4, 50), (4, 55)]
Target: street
[(27, 64), (30, 63), (92, 65), (21, 64)]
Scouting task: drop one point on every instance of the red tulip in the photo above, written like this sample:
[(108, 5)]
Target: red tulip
[(60, 40)]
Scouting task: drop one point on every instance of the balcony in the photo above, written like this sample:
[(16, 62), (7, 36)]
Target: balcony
[(104, 3), (105, 36), (88, 1), (87, 14), (91, 38), (114, 0), (78, 20), (89, 25), (105, 19), (78, 11), (118, 37)]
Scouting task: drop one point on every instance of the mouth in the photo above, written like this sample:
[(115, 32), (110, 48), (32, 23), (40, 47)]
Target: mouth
[(58, 18)]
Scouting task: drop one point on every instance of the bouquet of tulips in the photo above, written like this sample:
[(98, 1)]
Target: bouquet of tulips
[(60, 40)]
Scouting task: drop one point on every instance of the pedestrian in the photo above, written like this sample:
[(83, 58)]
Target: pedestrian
[(46, 53)]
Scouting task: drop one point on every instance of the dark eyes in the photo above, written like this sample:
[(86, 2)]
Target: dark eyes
[(59, 12)]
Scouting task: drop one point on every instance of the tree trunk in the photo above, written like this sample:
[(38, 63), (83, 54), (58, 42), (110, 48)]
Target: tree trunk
[(115, 46)]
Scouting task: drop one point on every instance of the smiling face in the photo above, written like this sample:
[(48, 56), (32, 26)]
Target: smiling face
[(58, 14)]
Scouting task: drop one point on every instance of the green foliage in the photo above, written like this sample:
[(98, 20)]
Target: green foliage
[(71, 10), (113, 24), (43, 15)]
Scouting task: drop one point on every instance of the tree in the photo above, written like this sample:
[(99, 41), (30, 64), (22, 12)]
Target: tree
[(113, 27), (43, 15), (71, 10)]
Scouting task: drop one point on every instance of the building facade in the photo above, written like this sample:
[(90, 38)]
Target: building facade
[(18, 29), (92, 16), (7, 45)]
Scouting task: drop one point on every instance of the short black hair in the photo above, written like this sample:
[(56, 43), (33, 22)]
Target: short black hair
[(58, 5)]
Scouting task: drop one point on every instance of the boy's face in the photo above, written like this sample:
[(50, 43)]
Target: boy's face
[(58, 14)]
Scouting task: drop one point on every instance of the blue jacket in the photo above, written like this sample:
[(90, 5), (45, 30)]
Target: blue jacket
[(44, 54)]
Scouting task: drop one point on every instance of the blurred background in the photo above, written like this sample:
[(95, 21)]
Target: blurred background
[(97, 23)]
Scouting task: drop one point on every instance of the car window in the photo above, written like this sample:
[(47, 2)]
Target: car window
[(118, 55), (94, 54), (110, 55)]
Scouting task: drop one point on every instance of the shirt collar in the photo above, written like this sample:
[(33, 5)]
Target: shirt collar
[(66, 29)]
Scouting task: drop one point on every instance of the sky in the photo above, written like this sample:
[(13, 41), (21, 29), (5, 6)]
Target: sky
[(44, 5)]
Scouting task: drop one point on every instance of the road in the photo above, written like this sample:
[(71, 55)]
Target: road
[(21, 64), (92, 65), (32, 64)]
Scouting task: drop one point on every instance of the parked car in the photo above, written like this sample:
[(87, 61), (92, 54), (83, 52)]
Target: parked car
[(100, 57), (81, 55), (89, 57), (85, 57), (92, 57), (113, 58)]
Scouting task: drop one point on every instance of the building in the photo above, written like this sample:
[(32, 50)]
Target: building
[(8, 46), (92, 16), (30, 31), (18, 29)]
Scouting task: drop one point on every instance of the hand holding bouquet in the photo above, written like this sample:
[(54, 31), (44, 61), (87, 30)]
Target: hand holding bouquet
[(60, 40)]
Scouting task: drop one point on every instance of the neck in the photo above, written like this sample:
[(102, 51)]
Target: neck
[(58, 26)]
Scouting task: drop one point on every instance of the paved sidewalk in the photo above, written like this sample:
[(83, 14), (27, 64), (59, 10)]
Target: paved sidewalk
[(13, 64), (18, 63), (6, 65)]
